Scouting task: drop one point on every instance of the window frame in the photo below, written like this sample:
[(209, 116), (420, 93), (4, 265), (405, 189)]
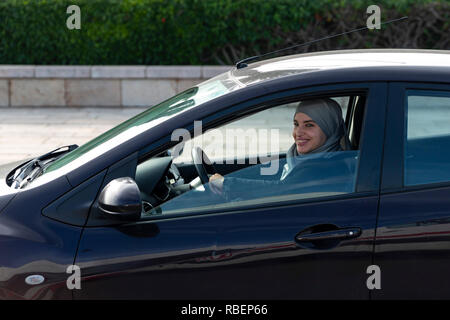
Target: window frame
[(369, 166)]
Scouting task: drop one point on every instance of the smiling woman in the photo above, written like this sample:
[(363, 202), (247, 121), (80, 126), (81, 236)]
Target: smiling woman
[(307, 134), (318, 126)]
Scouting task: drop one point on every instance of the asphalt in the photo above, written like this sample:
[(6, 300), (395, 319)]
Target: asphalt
[(30, 132)]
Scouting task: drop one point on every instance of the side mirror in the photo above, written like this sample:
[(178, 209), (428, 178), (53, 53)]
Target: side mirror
[(121, 199)]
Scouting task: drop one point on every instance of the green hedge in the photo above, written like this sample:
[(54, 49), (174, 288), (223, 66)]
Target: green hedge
[(154, 32)]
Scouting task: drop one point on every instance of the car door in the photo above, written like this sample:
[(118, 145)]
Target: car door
[(317, 245), (413, 243)]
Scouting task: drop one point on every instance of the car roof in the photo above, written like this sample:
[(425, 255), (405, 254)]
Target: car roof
[(355, 60)]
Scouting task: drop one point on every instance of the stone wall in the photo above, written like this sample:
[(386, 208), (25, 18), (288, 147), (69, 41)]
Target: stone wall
[(97, 86)]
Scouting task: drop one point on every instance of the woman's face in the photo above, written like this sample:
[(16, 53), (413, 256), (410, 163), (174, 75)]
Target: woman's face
[(307, 134)]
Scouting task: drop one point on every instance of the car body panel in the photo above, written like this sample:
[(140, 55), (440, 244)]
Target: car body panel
[(246, 255), (35, 245)]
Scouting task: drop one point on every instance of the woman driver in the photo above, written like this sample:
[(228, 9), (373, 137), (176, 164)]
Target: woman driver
[(318, 127)]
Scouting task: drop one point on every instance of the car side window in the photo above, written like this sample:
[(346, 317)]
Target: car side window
[(427, 139), (271, 156), (252, 137)]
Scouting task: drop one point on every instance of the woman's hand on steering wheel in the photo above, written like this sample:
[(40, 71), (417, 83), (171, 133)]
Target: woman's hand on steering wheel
[(202, 164), (206, 171), (216, 183)]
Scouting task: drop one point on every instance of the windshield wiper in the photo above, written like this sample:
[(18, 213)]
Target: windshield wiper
[(26, 173), (33, 168)]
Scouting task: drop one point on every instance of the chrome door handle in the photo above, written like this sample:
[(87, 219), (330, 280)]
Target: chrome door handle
[(338, 234)]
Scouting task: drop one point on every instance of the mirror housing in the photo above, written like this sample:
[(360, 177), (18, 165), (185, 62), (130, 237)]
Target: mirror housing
[(121, 199)]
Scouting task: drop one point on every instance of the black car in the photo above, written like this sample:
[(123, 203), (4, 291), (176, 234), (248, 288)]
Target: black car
[(131, 215)]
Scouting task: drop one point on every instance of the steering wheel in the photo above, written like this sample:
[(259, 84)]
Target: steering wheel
[(202, 164)]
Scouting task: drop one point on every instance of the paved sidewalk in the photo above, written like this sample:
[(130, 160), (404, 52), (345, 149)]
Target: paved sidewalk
[(29, 132)]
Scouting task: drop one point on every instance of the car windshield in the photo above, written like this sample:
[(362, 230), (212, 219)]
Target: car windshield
[(188, 99)]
